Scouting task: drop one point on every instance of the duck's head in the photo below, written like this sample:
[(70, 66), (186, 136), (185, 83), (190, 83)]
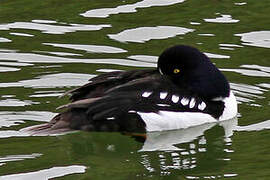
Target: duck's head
[(180, 59), (188, 66)]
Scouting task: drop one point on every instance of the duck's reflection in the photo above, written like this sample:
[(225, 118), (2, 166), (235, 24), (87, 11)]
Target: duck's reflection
[(204, 147)]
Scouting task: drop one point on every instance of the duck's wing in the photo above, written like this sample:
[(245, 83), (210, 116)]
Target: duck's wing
[(98, 85), (151, 94)]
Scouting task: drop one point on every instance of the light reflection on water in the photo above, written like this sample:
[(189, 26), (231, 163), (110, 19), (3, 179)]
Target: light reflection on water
[(52, 81), (11, 118), (223, 19), (4, 40), (10, 158), (256, 38), (89, 48), (52, 29), (129, 8), (143, 34), (37, 58), (45, 174)]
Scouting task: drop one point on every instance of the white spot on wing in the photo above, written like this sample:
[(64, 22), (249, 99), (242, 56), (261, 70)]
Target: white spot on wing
[(202, 106), (163, 95), (175, 98), (146, 94), (164, 105), (192, 103), (184, 101)]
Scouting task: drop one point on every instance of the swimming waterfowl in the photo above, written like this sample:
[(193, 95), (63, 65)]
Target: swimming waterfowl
[(186, 89)]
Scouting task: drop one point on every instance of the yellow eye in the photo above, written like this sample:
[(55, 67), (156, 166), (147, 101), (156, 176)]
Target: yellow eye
[(175, 71)]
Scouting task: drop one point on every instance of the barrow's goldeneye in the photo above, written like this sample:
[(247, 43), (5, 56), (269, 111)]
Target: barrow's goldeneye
[(186, 89)]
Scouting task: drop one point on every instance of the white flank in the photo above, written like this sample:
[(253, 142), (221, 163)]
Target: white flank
[(167, 120), (230, 110)]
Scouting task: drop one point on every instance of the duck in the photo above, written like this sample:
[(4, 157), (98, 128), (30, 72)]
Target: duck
[(185, 89)]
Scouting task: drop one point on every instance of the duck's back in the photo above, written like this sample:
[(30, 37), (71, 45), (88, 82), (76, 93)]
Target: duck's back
[(100, 84)]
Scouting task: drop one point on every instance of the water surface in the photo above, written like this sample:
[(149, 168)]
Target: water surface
[(49, 47)]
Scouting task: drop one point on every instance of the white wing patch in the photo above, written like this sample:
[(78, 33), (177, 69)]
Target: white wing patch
[(146, 94), (192, 103), (163, 95), (184, 101), (175, 98), (202, 106)]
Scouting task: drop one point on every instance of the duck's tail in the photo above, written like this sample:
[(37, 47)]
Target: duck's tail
[(58, 125)]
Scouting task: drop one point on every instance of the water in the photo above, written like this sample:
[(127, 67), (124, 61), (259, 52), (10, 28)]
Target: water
[(49, 47)]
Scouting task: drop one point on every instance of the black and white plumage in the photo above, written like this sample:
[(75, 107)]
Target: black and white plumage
[(185, 90)]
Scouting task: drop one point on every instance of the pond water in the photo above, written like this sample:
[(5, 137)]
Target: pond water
[(49, 47)]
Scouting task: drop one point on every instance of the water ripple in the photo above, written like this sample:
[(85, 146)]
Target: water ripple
[(225, 18), (8, 69), (16, 103), (11, 158), (45, 174), (256, 38), (143, 34), (52, 29), (21, 34), (52, 81), (248, 72), (4, 40), (89, 48), (129, 8), (37, 58), (9, 118)]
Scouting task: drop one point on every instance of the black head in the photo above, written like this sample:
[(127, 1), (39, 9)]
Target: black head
[(178, 59), (188, 67)]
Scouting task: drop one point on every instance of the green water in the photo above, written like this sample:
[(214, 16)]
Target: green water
[(36, 66)]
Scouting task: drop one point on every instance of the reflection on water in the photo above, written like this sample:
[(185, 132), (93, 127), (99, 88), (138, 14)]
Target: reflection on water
[(52, 80), (247, 93), (4, 40), (10, 118), (143, 34), (189, 149), (256, 38), (223, 19), (45, 174), (11, 158), (7, 69), (21, 34), (129, 8), (248, 72), (16, 102), (89, 48), (52, 29), (165, 141), (37, 58)]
